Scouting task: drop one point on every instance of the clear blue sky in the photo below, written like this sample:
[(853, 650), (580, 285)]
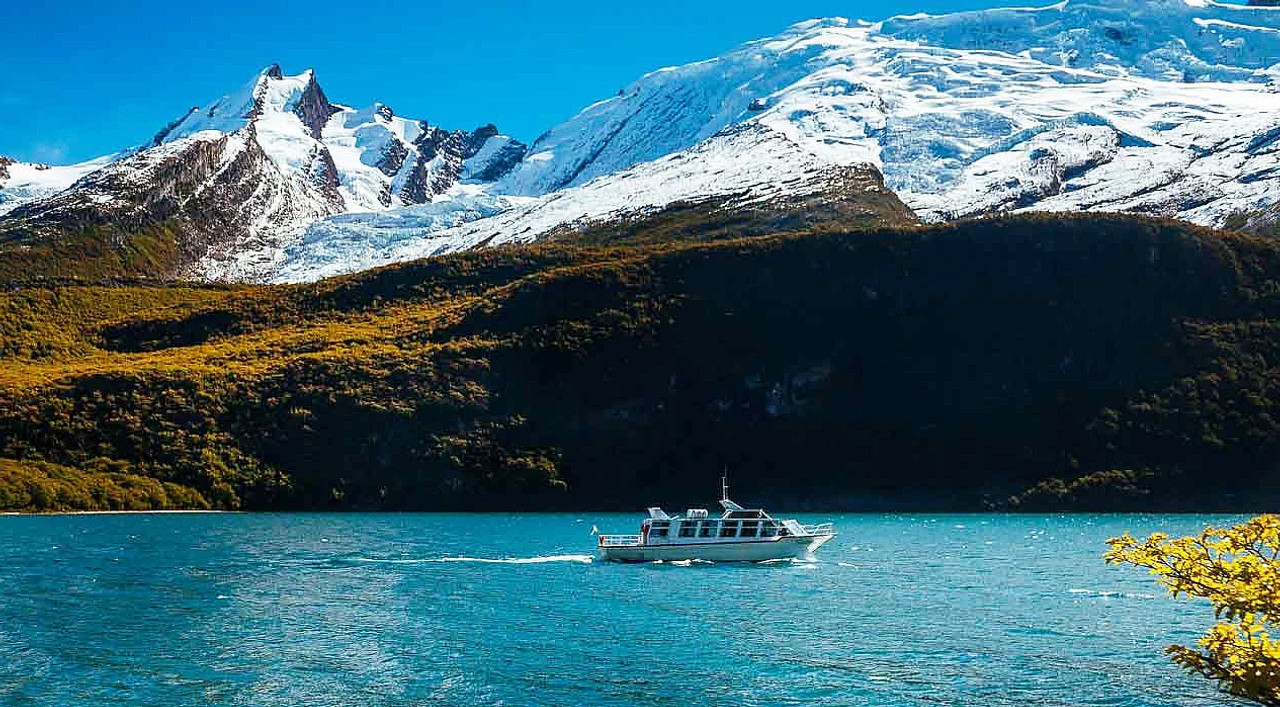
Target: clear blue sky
[(80, 78)]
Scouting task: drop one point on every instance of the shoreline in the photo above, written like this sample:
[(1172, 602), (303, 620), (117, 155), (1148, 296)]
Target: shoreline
[(111, 513), (912, 512)]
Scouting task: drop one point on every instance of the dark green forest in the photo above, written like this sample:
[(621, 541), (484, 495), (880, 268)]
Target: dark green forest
[(1044, 362)]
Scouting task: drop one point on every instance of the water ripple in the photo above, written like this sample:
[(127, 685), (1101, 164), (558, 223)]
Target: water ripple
[(350, 609)]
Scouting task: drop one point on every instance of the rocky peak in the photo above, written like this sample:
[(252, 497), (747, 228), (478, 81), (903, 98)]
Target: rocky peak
[(312, 107), (479, 137), (498, 159)]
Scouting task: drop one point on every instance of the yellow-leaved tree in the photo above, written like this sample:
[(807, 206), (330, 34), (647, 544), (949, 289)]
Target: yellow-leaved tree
[(1238, 570)]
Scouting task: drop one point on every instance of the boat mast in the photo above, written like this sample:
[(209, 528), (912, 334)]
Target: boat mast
[(725, 503)]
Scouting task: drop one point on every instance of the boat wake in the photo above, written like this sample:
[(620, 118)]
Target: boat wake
[(1113, 595), (583, 559)]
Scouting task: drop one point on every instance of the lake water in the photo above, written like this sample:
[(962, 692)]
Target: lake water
[(510, 609)]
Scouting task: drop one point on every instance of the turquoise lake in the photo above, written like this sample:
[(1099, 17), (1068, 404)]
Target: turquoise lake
[(510, 609)]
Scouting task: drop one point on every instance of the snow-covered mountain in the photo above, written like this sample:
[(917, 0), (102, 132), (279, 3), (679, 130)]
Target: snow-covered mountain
[(243, 177), (1163, 107)]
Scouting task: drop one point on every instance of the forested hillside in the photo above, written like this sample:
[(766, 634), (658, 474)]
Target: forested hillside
[(1032, 362)]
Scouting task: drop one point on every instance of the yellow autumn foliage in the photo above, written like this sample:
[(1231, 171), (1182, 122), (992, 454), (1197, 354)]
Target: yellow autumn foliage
[(1238, 570)]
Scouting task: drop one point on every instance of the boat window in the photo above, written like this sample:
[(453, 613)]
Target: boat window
[(729, 529), (688, 529), (749, 528), (769, 530), (746, 514), (659, 531), (705, 530)]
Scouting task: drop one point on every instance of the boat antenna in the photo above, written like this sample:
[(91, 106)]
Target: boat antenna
[(724, 485)]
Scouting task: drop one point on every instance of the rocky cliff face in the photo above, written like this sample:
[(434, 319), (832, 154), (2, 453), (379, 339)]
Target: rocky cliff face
[(312, 108)]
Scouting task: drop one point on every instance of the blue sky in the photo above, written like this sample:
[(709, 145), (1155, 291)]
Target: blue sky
[(83, 78)]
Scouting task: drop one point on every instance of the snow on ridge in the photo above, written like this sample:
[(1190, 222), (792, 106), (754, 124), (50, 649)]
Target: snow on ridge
[(28, 181), (743, 165), (1072, 36), (227, 114), (1155, 38)]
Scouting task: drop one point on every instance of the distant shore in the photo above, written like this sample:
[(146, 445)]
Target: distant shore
[(108, 513), (786, 509)]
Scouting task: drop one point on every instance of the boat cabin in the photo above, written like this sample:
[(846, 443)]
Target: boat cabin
[(696, 525)]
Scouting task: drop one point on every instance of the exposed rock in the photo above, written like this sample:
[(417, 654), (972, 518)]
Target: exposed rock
[(217, 193), (314, 108), (502, 162), (164, 132), (498, 164), (478, 138), (325, 177), (440, 157), (392, 158)]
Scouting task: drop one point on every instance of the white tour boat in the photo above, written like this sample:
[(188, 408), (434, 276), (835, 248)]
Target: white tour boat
[(738, 535)]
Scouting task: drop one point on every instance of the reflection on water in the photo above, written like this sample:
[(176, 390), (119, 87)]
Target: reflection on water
[(448, 609)]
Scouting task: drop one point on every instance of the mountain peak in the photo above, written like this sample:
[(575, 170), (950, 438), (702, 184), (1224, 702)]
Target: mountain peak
[(272, 72), (311, 106)]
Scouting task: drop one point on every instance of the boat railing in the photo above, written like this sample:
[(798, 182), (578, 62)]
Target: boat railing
[(618, 540), (819, 529)]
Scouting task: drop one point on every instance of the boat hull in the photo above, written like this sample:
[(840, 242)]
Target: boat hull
[(794, 547)]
